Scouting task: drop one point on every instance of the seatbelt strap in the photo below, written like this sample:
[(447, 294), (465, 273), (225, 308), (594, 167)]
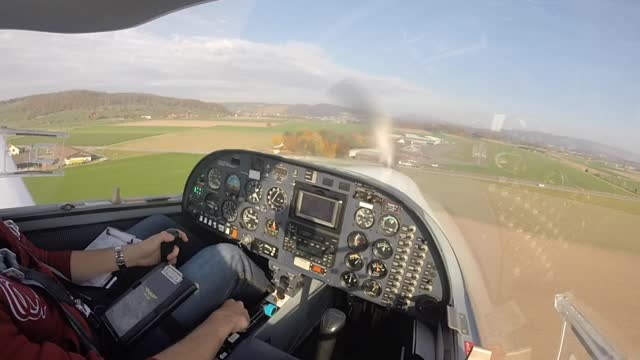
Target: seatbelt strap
[(9, 267)]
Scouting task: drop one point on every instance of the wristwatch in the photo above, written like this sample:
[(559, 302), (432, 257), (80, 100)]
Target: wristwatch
[(120, 258)]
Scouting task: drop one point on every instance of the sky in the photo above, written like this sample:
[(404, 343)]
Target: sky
[(565, 67)]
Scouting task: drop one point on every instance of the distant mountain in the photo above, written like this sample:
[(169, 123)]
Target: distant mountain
[(316, 111), (566, 143), (524, 137), (78, 105)]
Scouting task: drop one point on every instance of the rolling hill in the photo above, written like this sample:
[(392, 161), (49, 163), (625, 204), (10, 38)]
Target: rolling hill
[(83, 107)]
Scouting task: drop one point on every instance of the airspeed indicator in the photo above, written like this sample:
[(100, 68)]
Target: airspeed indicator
[(253, 191), (365, 218)]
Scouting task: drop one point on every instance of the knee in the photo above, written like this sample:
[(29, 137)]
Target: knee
[(224, 259), (225, 252), (159, 219), (160, 222)]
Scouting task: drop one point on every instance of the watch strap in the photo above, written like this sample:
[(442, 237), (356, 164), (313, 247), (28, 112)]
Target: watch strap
[(119, 251)]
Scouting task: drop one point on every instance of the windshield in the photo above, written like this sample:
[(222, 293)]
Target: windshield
[(518, 121)]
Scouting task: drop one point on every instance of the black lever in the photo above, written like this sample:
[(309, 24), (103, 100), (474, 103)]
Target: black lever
[(332, 322), (166, 248)]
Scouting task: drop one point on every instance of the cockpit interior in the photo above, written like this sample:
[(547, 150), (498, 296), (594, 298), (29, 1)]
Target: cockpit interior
[(329, 240)]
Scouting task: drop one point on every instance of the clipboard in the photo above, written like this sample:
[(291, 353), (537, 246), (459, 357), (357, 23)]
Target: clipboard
[(109, 238)]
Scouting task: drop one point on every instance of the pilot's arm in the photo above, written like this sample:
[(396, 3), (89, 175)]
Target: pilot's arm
[(87, 264), (204, 341)]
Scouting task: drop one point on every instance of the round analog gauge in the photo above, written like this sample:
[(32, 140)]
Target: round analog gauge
[(214, 179), (377, 269), (354, 261), (389, 225), (229, 210), (371, 288), (382, 249), (349, 279), (357, 241), (271, 227), (249, 218), (233, 184), (365, 218), (211, 203), (253, 191), (276, 198)]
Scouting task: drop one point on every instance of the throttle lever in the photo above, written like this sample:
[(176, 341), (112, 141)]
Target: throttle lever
[(166, 248)]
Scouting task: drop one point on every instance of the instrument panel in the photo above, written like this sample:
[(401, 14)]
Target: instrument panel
[(337, 228)]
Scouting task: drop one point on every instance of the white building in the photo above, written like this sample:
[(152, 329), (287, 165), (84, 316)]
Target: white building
[(14, 150), (414, 139)]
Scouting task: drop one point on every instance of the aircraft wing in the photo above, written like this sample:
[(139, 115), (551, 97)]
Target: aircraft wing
[(13, 191), (84, 16)]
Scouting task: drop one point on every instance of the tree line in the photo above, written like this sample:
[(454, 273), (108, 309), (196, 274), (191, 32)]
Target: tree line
[(325, 143)]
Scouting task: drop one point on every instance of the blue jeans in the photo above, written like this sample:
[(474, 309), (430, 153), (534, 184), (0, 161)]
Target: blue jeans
[(221, 271)]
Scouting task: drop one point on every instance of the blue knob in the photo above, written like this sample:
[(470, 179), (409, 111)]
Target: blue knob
[(270, 309)]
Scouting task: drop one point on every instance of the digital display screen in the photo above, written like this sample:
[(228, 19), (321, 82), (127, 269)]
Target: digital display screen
[(310, 249), (319, 209)]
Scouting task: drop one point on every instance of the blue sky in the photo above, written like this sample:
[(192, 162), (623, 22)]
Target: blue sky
[(567, 67), (574, 63)]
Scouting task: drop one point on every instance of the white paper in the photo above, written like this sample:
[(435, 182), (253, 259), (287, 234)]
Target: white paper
[(110, 238)]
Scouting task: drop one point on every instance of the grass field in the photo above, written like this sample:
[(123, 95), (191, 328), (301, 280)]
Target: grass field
[(505, 160), (257, 132), (150, 175), (126, 146), (531, 244), (99, 135), (198, 123), (574, 217)]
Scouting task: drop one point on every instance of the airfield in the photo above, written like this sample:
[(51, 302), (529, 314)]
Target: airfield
[(537, 223)]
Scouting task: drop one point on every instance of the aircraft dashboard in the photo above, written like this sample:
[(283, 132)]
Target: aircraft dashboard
[(333, 226)]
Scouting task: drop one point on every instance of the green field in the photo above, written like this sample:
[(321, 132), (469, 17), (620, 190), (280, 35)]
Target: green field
[(575, 217), (295, 126), (99, 135), (150, 175), (113, 134), (128, 163), (509, 161)]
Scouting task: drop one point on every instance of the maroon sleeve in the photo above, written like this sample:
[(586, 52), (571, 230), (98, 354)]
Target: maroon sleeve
[(17, 346), (59, 260)]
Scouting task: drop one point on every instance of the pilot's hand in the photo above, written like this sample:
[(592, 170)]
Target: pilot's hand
[(147, 252), (231, 315)]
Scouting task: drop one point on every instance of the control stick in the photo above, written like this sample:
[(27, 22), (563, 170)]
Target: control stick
[(332, 322), (166, 248)]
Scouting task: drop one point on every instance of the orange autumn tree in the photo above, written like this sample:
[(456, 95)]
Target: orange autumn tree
[(323, 143)]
